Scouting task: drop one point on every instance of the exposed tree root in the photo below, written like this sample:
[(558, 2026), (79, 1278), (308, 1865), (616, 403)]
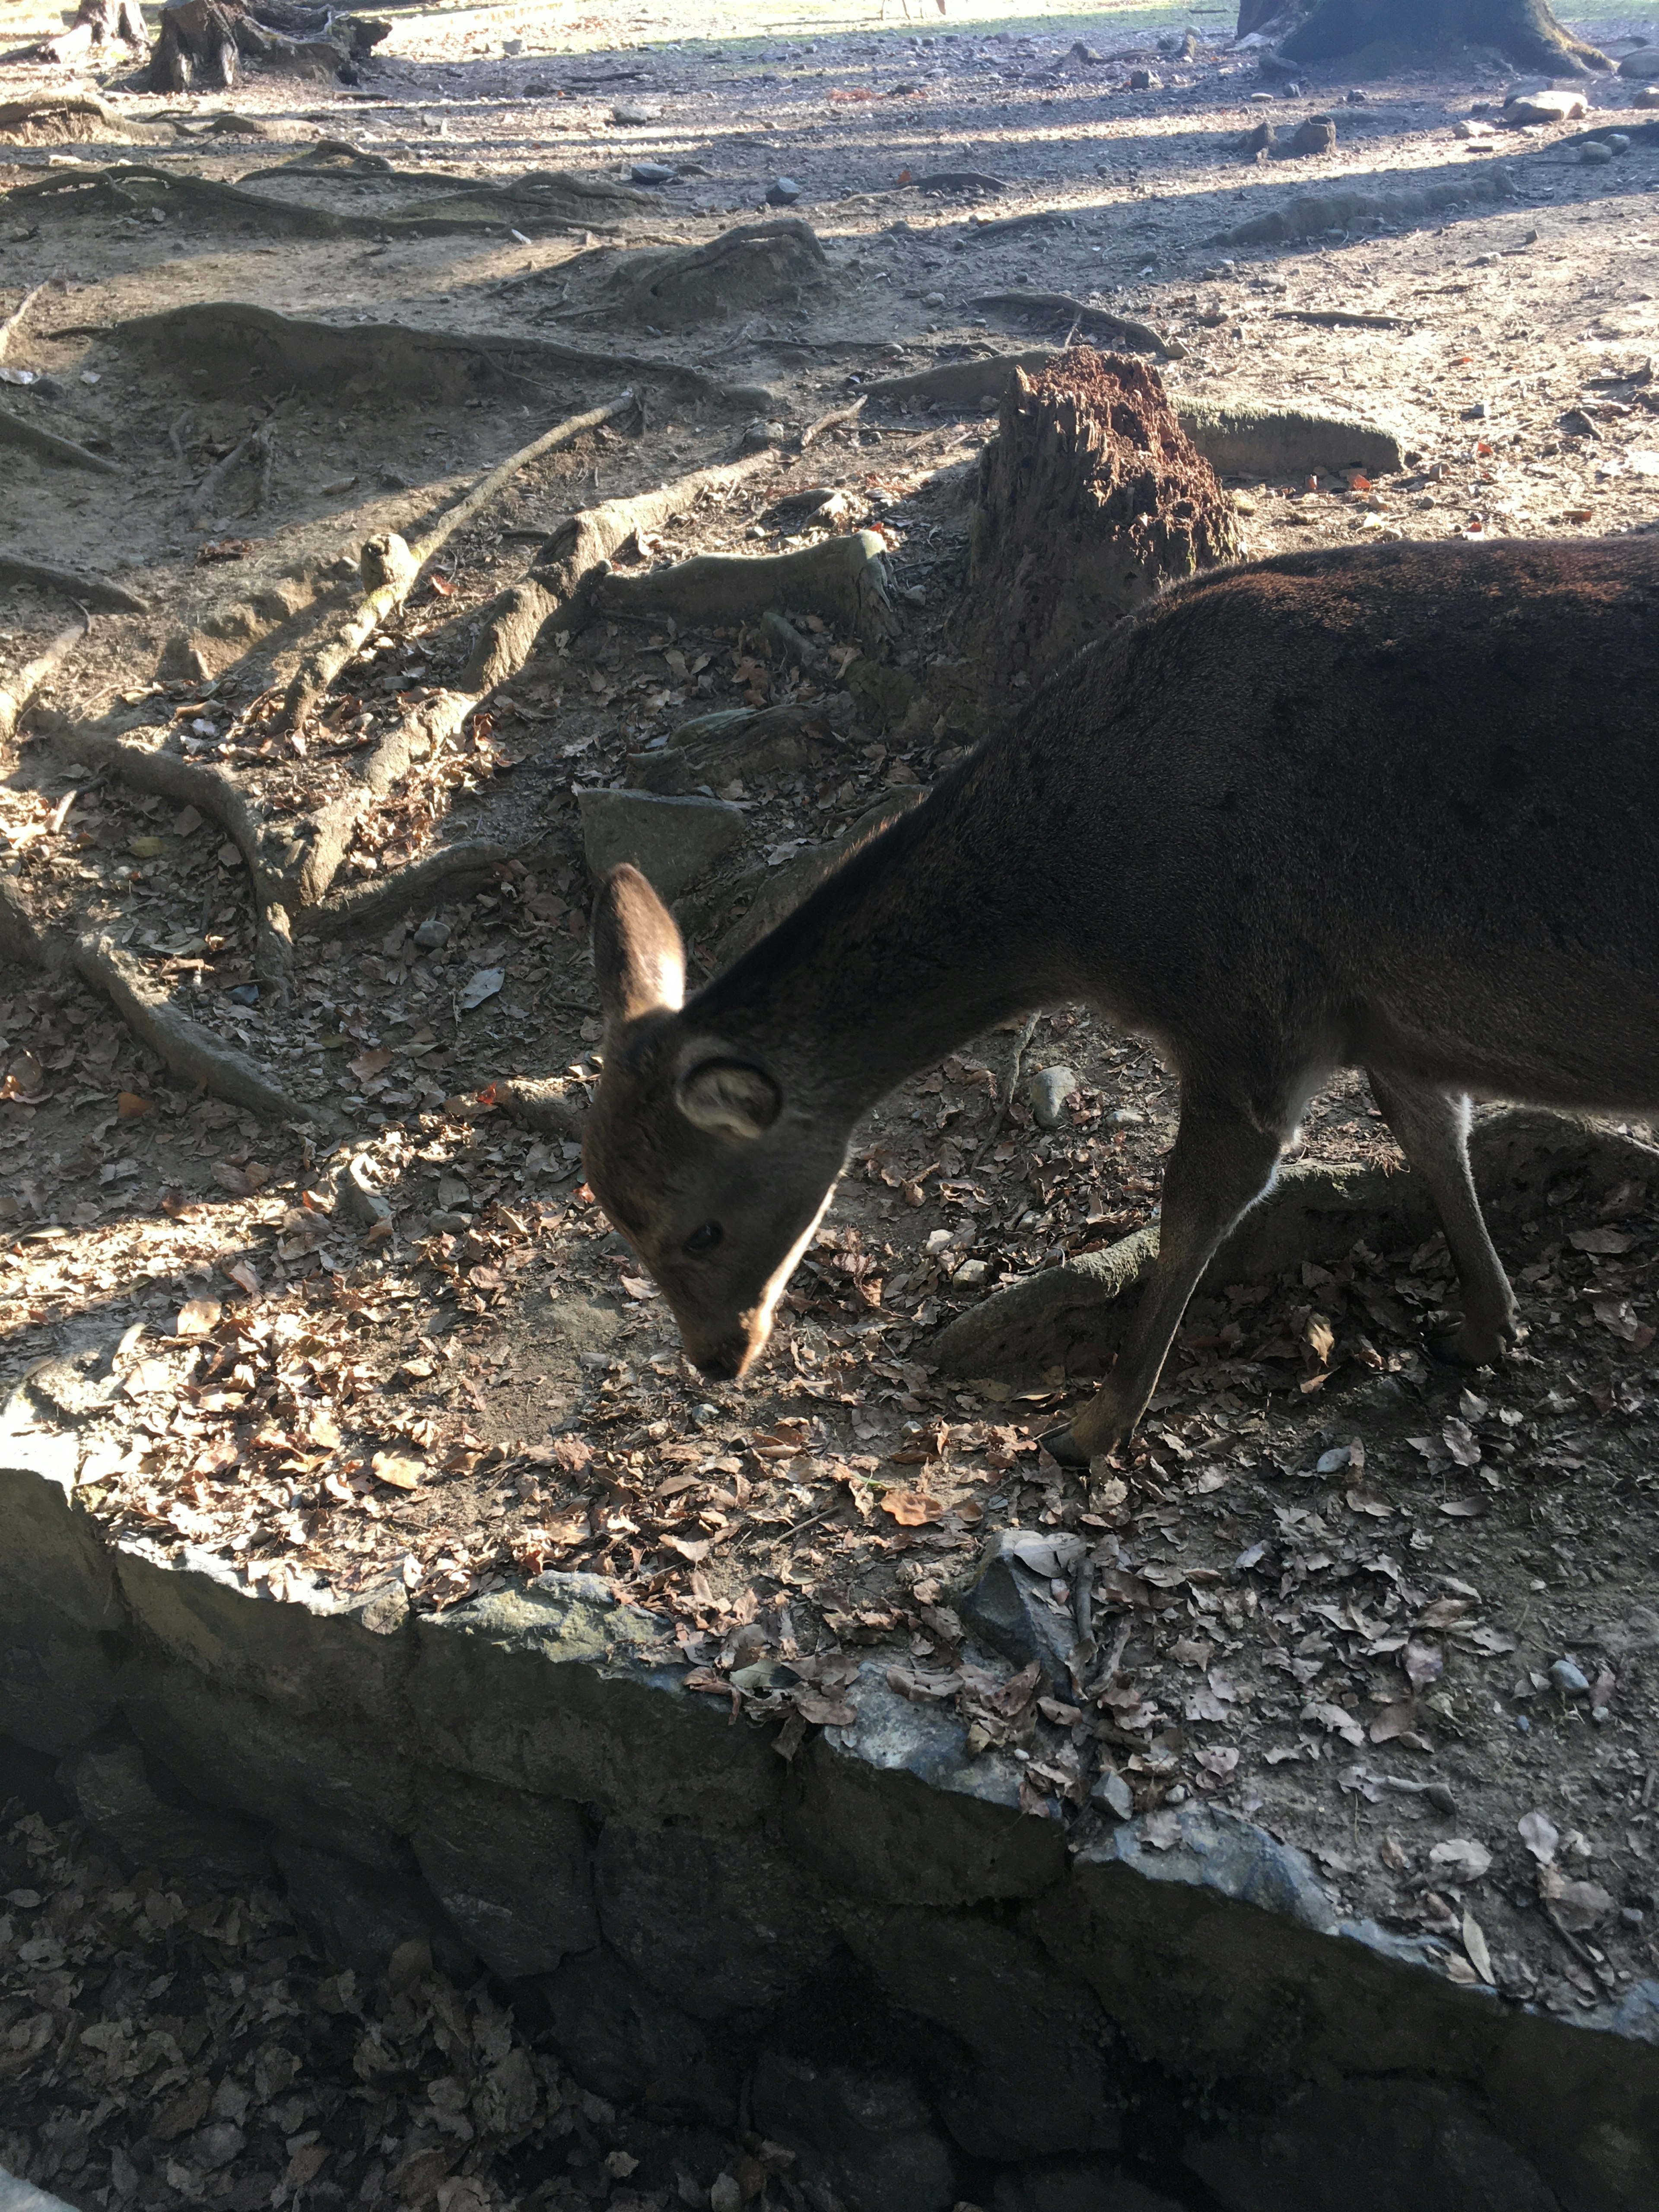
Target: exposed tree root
[(958, 383), (755, 265), (1313, 216), (29, 678), (1313, 1212), (274, 872), (394, 894), (389, 570), (131, 186), (230, 337), (14, 431), (181, 1042), (592, 535), (188, 1047), (538, 1104), (57, 119), (94, 591), (1060, 309), (843, 578)]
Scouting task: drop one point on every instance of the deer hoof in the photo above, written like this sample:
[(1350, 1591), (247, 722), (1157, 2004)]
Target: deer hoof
[(1061, 1444), (1467, 1346)]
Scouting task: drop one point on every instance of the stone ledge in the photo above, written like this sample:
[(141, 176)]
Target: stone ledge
[(870, 1949)]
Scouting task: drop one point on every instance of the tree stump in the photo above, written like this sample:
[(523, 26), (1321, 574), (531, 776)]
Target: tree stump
[(1525, 32), (197, 47), (1090, 497)]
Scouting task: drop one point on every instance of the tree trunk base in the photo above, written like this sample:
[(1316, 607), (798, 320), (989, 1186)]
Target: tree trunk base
[(1090, 497), (1525, 32)]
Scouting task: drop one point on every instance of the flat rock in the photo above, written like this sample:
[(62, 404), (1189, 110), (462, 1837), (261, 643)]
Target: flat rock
[(1549, 106), (671, 841)]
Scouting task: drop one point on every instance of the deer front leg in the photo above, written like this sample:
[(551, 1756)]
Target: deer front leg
[(1433, 1130), (1222, 1162)]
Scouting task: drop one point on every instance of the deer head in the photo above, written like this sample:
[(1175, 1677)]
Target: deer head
[(695, 1148)]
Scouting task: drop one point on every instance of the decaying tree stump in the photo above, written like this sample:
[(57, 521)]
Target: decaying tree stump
[(97, 23), (200, 42), (1090, 496)]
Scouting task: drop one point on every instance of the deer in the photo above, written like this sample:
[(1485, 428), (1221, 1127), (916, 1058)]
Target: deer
[(1391, 807)]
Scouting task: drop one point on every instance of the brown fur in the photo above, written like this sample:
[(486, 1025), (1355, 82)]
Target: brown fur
[(1395, 807)]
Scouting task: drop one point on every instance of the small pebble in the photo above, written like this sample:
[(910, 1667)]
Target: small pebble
[(1569, 1679), (1333, 1461), (243, 994), (454, 1222), (1523, 1725), (1178, 1796), (432, 935), (1632, 1915), (1049, 1091), (1112, 1794), (971, 1273), (1594, 153), (933, 299), (652, 172), (783, 192), (1617, 142), (1125, 1117)]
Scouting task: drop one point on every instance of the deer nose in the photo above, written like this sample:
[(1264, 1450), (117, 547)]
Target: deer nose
[(722, 1363)]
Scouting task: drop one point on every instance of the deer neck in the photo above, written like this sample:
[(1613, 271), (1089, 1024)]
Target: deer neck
[(917, 944)]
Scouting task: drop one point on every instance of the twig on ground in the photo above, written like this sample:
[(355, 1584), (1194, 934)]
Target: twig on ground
[(14, 322), (14, 431), (1341, 318), (401, 564), (92, 591), (836, 419)]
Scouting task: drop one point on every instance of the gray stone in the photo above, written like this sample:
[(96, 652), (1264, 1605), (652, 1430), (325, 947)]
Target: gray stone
[(1375, 2147), (559, 1691), (511, 1871), (866, 2132), (359, 1916), (336, 1788), (432, 935), (1049, 1091), (720, 1924), (893, 1808), (1549, 105), (782, 191), (1113, 1795), (1042, 2066), (312, 1651), (1593, 153), (1076, 2184), (1011, 1606), (1569, 1678), (1643, 63), (621, 2040), (671, 841), (116, 1788)]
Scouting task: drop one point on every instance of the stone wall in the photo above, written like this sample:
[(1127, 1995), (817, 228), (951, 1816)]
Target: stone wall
[(867, 1951)]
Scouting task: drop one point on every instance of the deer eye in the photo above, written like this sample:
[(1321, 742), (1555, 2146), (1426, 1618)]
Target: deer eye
[(704, 1240)]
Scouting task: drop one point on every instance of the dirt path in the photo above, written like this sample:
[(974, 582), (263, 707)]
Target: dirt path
[(478, 1385)]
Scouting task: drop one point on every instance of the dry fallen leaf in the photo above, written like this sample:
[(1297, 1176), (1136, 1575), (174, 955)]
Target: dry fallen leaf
[(398, 1469), (1474, 1942), (198, 1317), (911, 1508), (1459, 1858), (1540, 1836), (129, 1107)]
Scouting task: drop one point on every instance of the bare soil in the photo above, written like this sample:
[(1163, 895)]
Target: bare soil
[(1348, 1566)]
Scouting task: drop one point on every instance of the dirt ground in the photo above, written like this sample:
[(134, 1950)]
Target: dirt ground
[(1347, 1569)]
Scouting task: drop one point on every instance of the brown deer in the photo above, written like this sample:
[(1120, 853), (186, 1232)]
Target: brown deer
[(1394, 808)]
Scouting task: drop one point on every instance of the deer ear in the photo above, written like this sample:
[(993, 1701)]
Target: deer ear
[(729, 1098), (638, 956)]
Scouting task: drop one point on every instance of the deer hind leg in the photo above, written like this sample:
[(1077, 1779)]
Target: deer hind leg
[(1433, 1130), (1222, 1161)]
